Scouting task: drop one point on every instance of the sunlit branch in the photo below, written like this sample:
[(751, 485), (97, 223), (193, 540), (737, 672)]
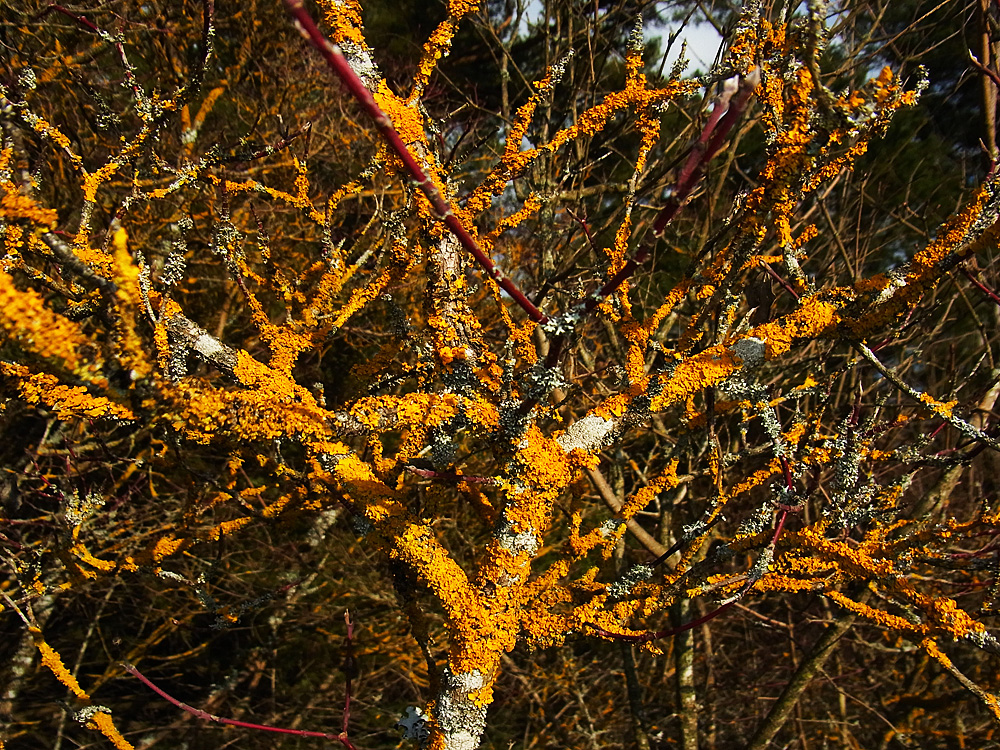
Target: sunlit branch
[(635, 529), (442, 208), (942, 410)]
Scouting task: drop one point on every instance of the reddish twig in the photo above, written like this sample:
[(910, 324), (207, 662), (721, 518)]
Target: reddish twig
[(786, 470), (988, 549), (774, 275), (889, 339), (729, 107), (204, 715), (89, 26), (582, 221), (980, 285), (4, 539), (938, 430), (352, 82), (676, 547), (350, 669), (615, 281), (991, 74), (449, 476)]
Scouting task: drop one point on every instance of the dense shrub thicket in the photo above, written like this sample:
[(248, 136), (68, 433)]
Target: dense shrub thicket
[(466, 373)]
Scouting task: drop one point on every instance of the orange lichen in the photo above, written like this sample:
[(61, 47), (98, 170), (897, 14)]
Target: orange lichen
[(68, 402), (165, 547), (102, 722), (17, 207), (344, 18), (643, 497), (514, 162), (81, 552), (405, 119), (253, 187), (54, 663), (940, 408), (29, 322), (872, 615), (451, 377), (95, 179), (439, 42)]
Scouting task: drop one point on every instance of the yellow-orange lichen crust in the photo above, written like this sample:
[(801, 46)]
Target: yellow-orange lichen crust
[(514, 162), (407, 540), (439, 43), (100, 719), (539, 471), (16, 207), (513, 592), (817, 318), (990, 700), (961, 237), (67, 402), (54, 663), (34, 328), (809, 143), (344, 19)]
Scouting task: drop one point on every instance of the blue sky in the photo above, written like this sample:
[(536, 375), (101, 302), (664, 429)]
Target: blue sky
[(702, 40)]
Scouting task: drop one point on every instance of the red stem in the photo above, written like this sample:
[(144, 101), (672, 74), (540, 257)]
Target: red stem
[(342, 68), (348, 672), (786, 470), (992, 75), (784, 284), (69, 14), (726, 112), (450, 476), (627, 270), (980, 285), (198, 713)]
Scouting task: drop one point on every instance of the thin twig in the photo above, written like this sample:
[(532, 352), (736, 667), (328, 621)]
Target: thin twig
[(198, 713), (350, 668), (784, 284), (944, 413), (614, 504), (980, 285)]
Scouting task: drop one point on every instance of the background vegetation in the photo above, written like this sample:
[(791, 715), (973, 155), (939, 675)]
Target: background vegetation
[(250, 381)]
